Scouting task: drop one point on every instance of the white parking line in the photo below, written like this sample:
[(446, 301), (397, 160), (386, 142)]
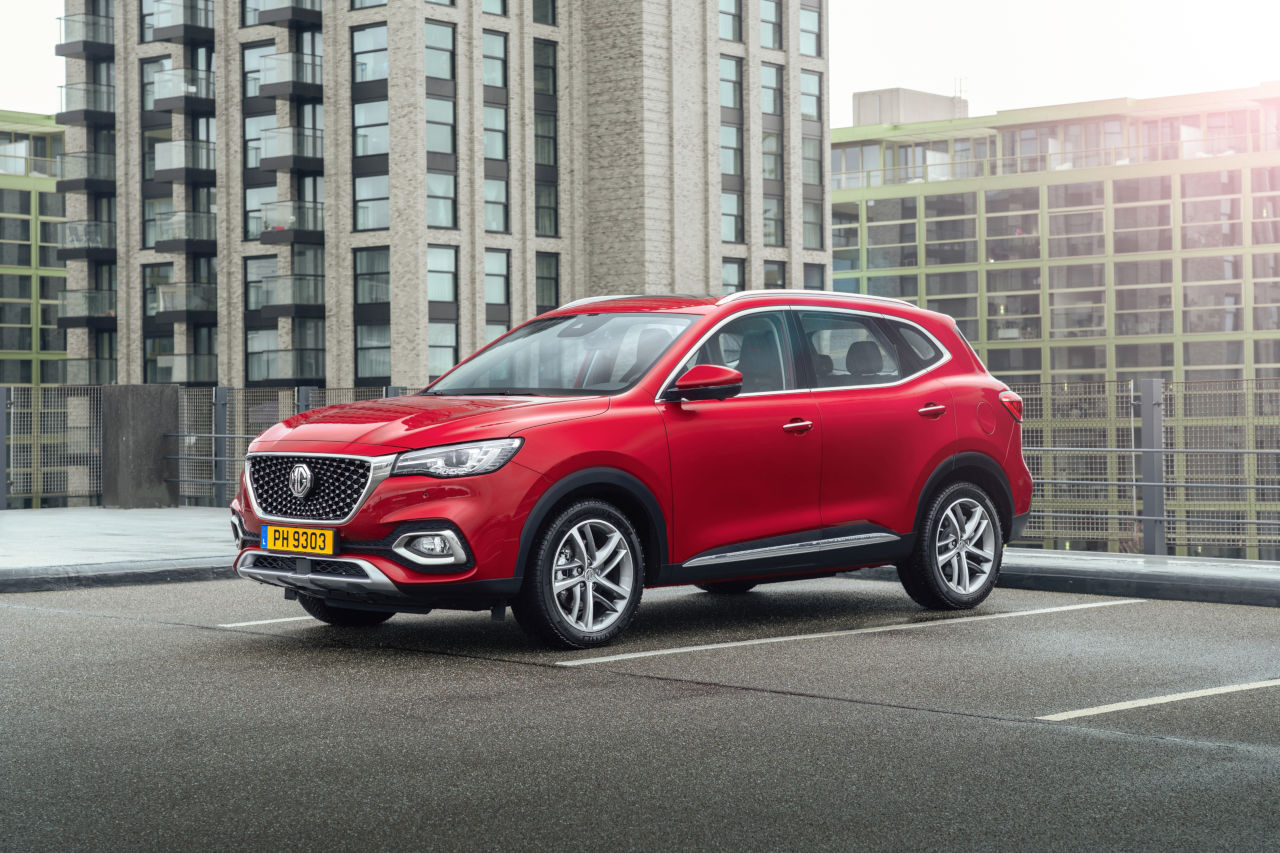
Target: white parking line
[(1158, 700), (883, 628), (263, 622)]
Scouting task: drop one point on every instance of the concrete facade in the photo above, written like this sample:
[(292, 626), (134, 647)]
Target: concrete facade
[(637, 170)]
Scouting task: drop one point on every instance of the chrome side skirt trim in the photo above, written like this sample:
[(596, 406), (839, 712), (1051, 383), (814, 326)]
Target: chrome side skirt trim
[(374, 579), (795, 548)]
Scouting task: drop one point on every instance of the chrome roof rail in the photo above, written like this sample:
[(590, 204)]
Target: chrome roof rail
[(742, 294), (575, 303)]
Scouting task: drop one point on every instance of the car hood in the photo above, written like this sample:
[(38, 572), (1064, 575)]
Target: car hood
[(406, 423)]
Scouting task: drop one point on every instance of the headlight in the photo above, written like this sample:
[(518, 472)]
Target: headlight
[(458, 460)]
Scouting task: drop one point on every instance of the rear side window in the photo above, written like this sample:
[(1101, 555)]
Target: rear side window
[(925, 349), (848, 350)]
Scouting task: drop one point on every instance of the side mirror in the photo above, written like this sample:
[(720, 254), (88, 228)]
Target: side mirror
[(705, 382)]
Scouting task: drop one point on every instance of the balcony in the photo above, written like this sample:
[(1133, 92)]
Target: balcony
[(282, 365), (292, 75), (186, 162), (85, 172), (90, 371), (184, 21), (288, 296), (293, 222), (289, 12), (184, 90), (30, 167), (86, 36), (87, 309), (199, 369), (185, 303), (187, 232), (88, 240), (299, 149), (87, 103)]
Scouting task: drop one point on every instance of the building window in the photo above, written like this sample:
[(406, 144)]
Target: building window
[(813, 225), (544, 12), (495, 205), (367, 4), (544, 67), (731, 20), (547, 210), (150, 69), (254, 199), (731, 217), (249, 13), (442, 2), (369, 126), (152, 210), (815, 277), (251, 62), (811, 95), (147, 8), (771, 89), (547, 281), (442, 199), (154, 276), (495, 133), (440, 51), (544, 139), (260, 352), (442, 273), (771, 155), (253, 128), (811, 160), (441, 120), (733, 275), (373, 275), (151, 138), (494, 65), (497, 277), (810, 32), (442, 348), (730, 150), (774, 230), (256, 273), (775, 274), (369, 53), (731, 82), (373, 202), (373, 351), (494, 7), (771, 24)]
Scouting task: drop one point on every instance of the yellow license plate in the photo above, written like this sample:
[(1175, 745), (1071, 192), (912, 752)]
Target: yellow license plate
[(298, 540)]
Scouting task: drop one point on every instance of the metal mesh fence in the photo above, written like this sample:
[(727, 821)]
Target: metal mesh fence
[(54, 446), (195, 447)]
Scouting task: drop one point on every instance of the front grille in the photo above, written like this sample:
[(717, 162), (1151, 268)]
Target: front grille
[(338, 482), (275, 564), (340, 568), (337, 567)]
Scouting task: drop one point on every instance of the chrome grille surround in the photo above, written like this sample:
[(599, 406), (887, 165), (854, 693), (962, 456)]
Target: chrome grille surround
[(343, 484)]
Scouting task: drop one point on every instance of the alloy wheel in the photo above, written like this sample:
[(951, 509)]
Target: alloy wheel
[(593, 575), (966, 546)]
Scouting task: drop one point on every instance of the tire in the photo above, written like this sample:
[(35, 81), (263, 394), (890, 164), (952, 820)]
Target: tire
[(343, 617), (598, 593), (942, 574), (727, 587)]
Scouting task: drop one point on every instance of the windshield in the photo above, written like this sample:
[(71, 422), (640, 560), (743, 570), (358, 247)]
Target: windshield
[(575, 354)]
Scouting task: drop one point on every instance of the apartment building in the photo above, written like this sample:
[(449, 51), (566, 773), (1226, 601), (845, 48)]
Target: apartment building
[(359, 193), (1088, 242)]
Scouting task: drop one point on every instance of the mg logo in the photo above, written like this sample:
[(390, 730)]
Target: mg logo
[(300, 480)]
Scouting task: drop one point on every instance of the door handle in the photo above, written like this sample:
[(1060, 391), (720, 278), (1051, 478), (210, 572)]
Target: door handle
[(797, 425), (931, 410)]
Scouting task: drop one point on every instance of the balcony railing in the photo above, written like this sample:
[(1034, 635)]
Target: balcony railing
[(88, 234), (99, 29), (87, 303), (87, 167), (187, 225), (272, 5), (90, 371), (292, 142), (284, 364), (184, 13), (1056, 161), (286, 290), (185, 154), (87, 96), (292, 68), (186, 369), (186, 297), (184, 83), (292, 216), (32, 167)]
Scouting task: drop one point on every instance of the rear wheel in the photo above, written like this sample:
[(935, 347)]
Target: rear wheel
[(957, 556), (584, 582), (343, 617), (727, 587)]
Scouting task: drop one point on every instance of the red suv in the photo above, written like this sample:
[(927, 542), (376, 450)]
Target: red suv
[(624, 442)]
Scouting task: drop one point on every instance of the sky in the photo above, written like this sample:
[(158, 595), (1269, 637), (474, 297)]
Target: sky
[(1000, 54)]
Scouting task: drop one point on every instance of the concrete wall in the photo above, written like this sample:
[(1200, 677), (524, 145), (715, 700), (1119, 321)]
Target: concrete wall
[(138, 425)]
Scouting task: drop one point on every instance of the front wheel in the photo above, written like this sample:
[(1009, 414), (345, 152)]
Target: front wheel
[(584, 582), (957, 556), (343, 617)]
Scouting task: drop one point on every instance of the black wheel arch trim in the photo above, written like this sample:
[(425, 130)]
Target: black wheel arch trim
[(584, 480), (971, 459)]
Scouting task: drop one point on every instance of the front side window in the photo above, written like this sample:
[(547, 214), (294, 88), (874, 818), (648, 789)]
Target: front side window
[(848, 350), (577, 354), (756, 345), (369, 54)]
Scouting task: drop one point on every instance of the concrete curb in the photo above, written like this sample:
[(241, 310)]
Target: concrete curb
[(1167, 578), (52, 578)]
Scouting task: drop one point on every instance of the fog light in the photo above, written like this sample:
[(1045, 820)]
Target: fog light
[(431, 548), (432, 545)]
